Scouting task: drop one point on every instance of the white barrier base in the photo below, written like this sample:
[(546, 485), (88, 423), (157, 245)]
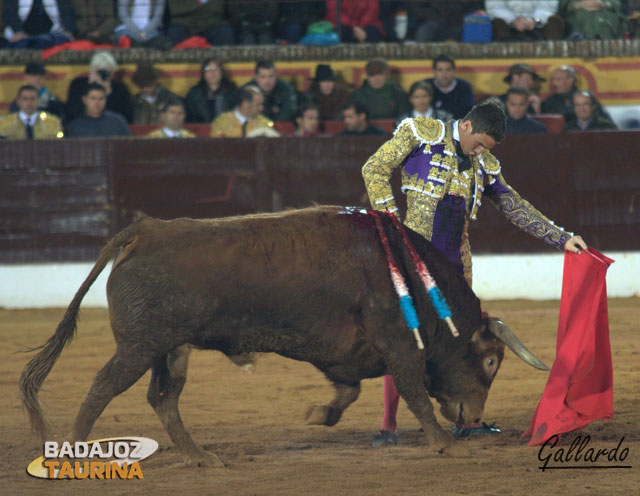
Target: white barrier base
[(528, 276)]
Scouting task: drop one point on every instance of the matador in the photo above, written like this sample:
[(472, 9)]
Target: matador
[(447, 170)]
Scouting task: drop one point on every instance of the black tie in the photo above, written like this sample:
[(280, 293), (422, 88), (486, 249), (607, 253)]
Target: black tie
[(463, 160), (244, 128), (28, 129)]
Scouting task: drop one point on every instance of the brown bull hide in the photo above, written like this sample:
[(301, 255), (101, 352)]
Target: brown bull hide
[(311, 285)]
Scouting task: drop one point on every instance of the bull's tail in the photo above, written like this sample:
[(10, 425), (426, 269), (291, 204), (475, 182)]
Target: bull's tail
[(40, 365)]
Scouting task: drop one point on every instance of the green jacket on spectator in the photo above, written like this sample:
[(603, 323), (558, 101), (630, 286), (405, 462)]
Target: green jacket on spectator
[(389, 102), (596, 123), (562, 103), (194, 15), (95, 21), (281, 103), (604, 24)]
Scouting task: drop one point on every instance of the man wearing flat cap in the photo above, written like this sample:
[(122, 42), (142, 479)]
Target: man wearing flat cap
[(153, 97), (327, 93), (34, 74), (524, 76)]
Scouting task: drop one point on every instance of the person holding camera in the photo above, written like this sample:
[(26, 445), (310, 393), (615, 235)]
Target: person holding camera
[(102, 69)]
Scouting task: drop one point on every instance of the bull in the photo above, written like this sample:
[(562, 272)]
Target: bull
[(311, 285)]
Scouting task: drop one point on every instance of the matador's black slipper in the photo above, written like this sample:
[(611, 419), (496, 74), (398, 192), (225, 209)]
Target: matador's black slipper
[(474, 430)]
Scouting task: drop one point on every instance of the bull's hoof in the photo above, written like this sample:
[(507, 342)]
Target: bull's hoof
[(246, 361), (204, 459), (322, 415)]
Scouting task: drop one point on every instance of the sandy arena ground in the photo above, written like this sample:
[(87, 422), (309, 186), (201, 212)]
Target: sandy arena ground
[(254, 422)]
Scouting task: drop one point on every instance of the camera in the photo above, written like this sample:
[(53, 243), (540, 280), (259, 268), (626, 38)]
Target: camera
[(104, 74)]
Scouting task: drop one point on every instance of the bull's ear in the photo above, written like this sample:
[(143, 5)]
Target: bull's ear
[(506, 335)]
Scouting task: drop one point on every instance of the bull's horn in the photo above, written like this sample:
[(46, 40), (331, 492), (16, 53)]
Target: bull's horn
[(506, 335)]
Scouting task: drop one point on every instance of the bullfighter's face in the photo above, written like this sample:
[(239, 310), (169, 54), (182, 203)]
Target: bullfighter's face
[(28, 101), (461, 386), (473, 144)]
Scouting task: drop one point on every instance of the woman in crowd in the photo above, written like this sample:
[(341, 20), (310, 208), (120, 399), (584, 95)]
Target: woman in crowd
[(420, 98), (214, 94)]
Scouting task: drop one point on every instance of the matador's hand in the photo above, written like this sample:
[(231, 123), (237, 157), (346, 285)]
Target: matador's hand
[(575, 245)]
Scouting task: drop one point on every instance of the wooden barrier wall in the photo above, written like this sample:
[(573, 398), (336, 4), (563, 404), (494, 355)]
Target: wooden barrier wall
[(61, 200)]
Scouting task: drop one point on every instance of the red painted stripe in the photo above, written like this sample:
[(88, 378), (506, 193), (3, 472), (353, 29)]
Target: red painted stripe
[(16, 76), (12, 76), (619, 94), (617, 66)]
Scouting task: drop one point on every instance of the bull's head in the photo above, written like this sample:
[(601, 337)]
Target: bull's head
[(461, 384)]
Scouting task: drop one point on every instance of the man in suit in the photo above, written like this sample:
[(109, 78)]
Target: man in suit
[(246, 118), (28, 122), (172, 116)]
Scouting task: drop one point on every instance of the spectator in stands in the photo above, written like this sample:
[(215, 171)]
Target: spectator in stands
[(421, 98), (356, 121), (632, 10), (148, 104), (280, 100), (360, 20), (563, 85), (34, 74), (295, 17), (307, 121), (587, 118), (254, 21), (97, 121), (37, 24), (517, 120), (28, 122), (327, 93), (246, 118), (198, 17), (523, 76), (214, 94), (102, 69), (95, 21), (141, 21), (384, 98), (172, 116), (593, 19), (450, 93), (435, 20), (531, 20)]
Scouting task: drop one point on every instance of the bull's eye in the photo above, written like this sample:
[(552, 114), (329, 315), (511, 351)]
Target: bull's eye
[(491, 365)]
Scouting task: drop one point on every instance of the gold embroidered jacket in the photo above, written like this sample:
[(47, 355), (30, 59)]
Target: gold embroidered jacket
[(441, 199), (227, 125), (159, 133), (47, 126)]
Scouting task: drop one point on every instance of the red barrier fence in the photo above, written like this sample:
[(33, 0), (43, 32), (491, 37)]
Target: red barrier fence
[(60, 200)]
